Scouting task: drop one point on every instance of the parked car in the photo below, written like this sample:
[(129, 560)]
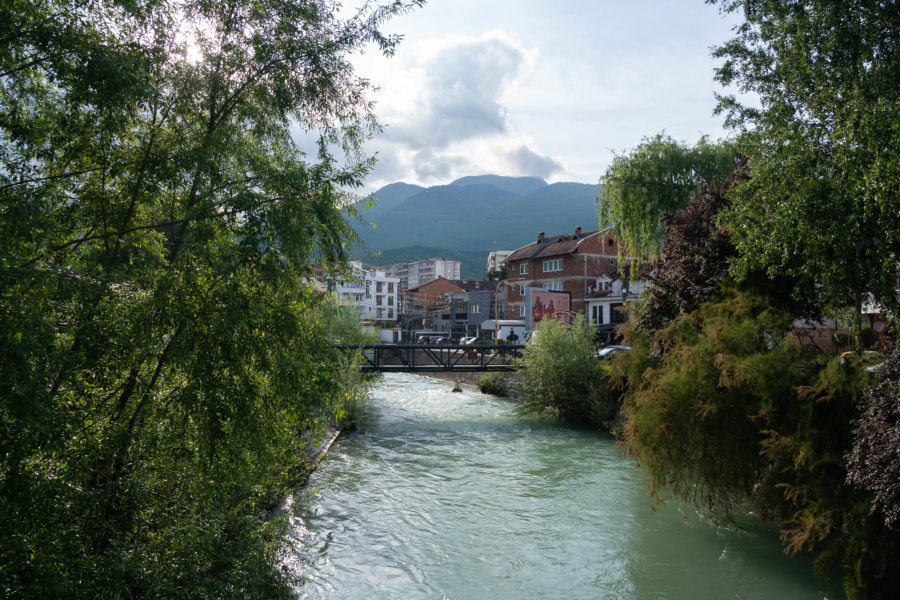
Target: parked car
[(468, 341), (441, 341), (609, 352)]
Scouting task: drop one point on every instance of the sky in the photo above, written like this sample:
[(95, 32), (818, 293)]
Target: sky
[(552, 89)]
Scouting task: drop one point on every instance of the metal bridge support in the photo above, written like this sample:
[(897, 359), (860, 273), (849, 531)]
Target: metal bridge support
[(415, 358)]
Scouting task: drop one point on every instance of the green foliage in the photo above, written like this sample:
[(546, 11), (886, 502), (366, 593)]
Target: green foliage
[(735, 416), (874, 462), (560, 377), (660, 176), (823, 170), (492, 383), (507, 219), (498, 274), (163, 363)]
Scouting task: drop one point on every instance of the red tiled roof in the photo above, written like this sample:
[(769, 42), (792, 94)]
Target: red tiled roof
[(551, 246), (430, 282)]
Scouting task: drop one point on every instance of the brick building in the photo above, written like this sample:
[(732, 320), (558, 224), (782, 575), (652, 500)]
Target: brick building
[(453, 308), (569, 262), (424, 304)]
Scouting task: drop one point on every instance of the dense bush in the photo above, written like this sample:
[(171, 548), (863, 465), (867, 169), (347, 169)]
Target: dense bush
[(560, 376), (492, 383), (733, 416), (874, 462)]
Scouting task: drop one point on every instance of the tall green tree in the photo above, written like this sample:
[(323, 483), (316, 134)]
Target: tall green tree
[(822, 202), (161, 355), (661, 175)]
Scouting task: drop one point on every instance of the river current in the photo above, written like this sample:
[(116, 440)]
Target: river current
[(452, 495)]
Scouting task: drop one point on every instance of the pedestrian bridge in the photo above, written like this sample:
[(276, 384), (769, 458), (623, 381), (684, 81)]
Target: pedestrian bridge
[(418, 358)]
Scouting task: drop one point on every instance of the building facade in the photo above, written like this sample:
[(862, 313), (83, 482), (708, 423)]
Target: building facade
[(497, 259), (607, 299), (412, 274), (566, 263), (373, 291), (452, 308)]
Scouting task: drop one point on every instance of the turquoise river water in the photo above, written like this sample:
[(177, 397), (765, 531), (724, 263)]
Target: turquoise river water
[(452, 495)]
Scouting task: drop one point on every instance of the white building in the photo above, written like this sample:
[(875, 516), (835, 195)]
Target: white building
[(609, 293), (373, 291), (418, 272), (496, 259)]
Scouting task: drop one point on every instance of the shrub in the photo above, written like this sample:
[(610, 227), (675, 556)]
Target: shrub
[(733, 417), (492, 383), (560, 376), (874, 462)]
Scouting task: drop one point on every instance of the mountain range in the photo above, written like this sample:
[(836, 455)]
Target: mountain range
[(472, 215)]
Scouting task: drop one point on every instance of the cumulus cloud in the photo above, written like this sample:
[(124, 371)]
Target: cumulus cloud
[(526, 161), (444, 106), (460, 98), (440, 167)]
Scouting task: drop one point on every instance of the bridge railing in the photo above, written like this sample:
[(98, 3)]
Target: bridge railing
[(412, 358)]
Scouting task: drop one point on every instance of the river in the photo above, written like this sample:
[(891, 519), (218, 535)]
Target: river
[(452, 495)]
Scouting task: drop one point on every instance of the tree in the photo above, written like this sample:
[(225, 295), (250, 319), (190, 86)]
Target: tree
[(821, 201), (498, 274), (694, 261), (561, 377), (660, 176), (161, 356)]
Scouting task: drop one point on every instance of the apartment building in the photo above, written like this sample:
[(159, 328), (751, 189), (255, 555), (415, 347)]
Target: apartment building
[(496, 259), (412, 274), (566, 263), (372, 290)]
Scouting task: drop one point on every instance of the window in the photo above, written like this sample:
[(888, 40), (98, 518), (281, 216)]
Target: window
[(616, 316), (612, 242), (555, 286), (553, 265), (521, 290), (523, 268), (596, 314), (379, 287), (390, 313), (474, 308), (390, 287), (522, 311), (378, 300)]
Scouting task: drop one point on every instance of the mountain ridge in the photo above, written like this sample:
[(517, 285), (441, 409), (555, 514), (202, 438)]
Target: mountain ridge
[(477, 213)]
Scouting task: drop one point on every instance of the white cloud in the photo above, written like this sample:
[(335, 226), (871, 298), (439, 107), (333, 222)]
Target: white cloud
[(443, 106), (551, 91)]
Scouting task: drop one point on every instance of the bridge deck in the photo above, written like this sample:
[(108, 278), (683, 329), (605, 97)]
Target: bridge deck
[(415, 358)]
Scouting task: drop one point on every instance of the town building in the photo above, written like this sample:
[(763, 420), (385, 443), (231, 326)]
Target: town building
[(607, 298), (566, 263), (412, 274), (497, 259), (453, 309), (423, 305), (372, 290)]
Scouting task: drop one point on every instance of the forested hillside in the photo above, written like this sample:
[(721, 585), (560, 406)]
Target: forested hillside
[(487, 212)]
